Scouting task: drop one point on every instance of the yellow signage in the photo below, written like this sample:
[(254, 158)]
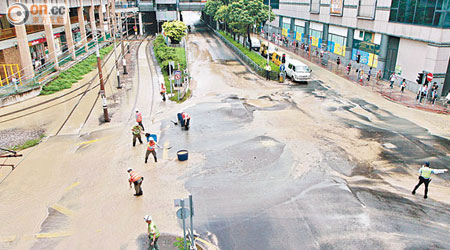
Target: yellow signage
[(284, 32)]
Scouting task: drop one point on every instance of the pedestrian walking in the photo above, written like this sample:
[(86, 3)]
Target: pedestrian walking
[(139, 119), (423, 92), (349, 68), (379, 75), (163, 91), (268, 69), (369, 74), (403, 86), (425, 174), (151, 149), (361, 77), (137, 130), (392, 80), (152, 233), (338, 62), (136, 180), (433, 95)]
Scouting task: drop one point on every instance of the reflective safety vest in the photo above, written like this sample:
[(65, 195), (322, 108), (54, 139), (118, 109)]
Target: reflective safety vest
[(136, 130), (134, 177), (163, 88), (139, 117), (426, 172), (153, 230), (185, 116), (151, 145)]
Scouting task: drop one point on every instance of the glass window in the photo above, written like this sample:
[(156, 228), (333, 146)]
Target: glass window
[(421, 12), (314, 6), (366, 8)]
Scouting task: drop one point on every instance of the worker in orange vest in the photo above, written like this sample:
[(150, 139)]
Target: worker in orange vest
[(139, 119), (151, 149), (136, 180), (186, 120), (163, 91)]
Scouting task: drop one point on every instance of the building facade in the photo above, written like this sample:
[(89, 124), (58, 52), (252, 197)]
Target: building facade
[(401, 36)]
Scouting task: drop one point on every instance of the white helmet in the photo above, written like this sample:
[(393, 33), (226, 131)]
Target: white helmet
[(147, 218), (151, 139), (129, 169)]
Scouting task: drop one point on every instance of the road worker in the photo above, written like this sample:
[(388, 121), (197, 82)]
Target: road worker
[(151, 149), (139, 118), (425, 174), (137, 130), (186, 120), (153, 232), (136, 180), (163, 91)]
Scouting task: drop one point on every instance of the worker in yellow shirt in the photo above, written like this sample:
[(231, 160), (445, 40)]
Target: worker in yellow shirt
[(425, 174), (153, 232)]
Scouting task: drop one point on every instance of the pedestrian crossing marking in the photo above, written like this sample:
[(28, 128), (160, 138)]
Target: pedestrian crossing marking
[(166, 151), (52, 235), (206, 243), (72, 186), (62, 209)]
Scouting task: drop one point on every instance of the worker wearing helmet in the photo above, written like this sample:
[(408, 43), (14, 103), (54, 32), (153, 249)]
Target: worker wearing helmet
[(136, 180), (151, 149), (137, 130), (139, 118), (425, 174), (153, 232)]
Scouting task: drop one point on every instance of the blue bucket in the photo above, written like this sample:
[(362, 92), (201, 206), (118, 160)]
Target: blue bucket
[(155, 137), (182, 155)]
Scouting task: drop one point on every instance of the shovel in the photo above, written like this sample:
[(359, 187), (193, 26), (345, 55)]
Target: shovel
[(174, 123)]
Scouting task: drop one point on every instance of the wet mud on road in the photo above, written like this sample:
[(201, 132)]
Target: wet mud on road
[(301, 166)]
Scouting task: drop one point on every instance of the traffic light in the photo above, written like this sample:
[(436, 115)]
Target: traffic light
[(419, 79), (358, 58)]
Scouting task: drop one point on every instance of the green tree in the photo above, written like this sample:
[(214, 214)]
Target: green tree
[(175, 30), (243, 14), (222, 15), (212, 6)]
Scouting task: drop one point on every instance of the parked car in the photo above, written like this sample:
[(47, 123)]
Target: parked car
[(256, 44), (298, 71), (266, 49)]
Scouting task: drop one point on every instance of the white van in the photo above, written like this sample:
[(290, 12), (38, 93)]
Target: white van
[(256, 44), (297, 71)]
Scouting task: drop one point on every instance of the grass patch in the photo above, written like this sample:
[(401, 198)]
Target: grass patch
[(186, 96), (255, 57), (74, 74), (164, 54), (28, 144)]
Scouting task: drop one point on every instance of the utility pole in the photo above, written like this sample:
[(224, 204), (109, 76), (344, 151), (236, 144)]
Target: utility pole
[(116, 60), (100, 76), (268, 33)]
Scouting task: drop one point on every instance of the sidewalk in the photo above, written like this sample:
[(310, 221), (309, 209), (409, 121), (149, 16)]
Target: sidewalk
[(407, 98)]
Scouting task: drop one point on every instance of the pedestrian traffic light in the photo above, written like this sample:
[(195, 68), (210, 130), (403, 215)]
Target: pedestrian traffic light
[(358, 58), (419, 79)]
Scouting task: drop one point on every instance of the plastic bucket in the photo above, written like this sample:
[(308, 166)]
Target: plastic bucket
[(182, 155)]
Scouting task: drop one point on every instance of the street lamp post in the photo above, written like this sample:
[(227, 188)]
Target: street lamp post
[(115, 53)]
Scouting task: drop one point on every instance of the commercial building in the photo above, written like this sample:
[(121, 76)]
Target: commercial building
[(24, 48), (401, 36)]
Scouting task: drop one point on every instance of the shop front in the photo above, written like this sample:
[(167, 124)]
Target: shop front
[(367, 46), (299, 33), (315, 34), (337, 39)]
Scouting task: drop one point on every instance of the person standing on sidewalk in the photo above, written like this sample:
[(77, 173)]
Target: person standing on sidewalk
[(268, 69), (392, 80), (361, 76), (152, 233), (136, 180), (403, 86), (137, 131), (425, 174), (379, 75), (349, 68), (338, 62), (139, 119), (151, 149), (163, 91)]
